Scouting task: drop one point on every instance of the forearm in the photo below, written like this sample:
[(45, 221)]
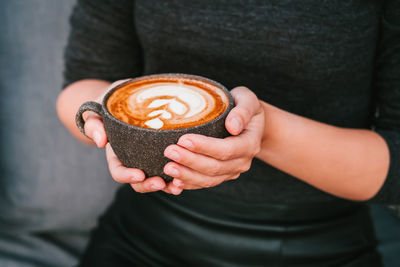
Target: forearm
[(349, 163), (72, 97)]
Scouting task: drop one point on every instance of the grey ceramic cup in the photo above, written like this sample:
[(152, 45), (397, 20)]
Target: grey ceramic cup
[(143, 148)]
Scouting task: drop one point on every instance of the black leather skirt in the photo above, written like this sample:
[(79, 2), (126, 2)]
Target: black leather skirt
[(201, 228)]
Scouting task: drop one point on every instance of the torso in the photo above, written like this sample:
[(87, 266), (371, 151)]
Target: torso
[(314, 59)]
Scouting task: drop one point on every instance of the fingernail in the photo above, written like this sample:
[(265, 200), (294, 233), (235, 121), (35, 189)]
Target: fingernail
[(186, 143), (178, 183), (171, 171), (236, 124), (173, 154), (96, 137)]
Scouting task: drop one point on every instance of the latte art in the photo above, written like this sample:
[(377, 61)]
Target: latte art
[(176, 101), (167, 104)]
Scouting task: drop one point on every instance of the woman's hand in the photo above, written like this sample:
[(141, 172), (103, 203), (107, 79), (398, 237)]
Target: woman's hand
[(94, 129), (209, 162), (200, 161)]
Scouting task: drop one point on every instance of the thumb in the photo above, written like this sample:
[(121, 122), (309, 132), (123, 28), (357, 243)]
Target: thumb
[(246, 106)]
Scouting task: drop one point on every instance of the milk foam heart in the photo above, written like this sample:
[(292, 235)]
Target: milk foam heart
[(167, 104)]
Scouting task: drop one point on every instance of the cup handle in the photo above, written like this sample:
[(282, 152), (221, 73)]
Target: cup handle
[(87, 106)]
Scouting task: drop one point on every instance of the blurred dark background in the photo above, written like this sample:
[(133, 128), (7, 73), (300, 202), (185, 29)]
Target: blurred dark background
[(52, 188)]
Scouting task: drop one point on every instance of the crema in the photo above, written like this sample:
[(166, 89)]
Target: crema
[(167, 103)]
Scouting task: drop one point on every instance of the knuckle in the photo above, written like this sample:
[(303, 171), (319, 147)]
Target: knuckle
[(116, 178), (115, 174), (238, 91), (215, 168), (227, 153), (241, 169), (244, 112), (254, 96), (244, 167), (234, 177), (255, 149), (253, 153), (187, 160), (250, 94), (208, 184)]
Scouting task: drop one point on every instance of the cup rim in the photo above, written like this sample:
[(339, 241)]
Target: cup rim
[(166, 75)]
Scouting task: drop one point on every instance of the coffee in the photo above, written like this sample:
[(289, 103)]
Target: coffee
[(171, 102), (167, 102)]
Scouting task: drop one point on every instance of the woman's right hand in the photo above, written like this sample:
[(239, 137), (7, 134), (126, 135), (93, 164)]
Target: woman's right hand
[(94, 129)]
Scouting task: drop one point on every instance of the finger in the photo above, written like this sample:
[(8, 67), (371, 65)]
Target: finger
[(188, 186), (204, 164), (193, 179), (151, 184), (94, 129), (171, 188), (119, 172), (222, 149), (246, 106)]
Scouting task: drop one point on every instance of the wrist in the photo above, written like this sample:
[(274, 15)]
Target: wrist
[(274, 130)]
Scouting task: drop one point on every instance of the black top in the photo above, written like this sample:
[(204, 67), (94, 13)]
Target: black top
[(333, 61)]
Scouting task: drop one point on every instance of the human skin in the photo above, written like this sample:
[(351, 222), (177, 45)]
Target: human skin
[(348, 163)]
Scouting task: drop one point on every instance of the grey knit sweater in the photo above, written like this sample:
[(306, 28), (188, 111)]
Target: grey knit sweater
[(333, 61)]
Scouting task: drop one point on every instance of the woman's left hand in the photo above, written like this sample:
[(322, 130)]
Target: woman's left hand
[(200, 161)]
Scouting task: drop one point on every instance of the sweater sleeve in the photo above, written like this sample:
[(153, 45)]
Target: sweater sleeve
[(102, 43), (387, 85)]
